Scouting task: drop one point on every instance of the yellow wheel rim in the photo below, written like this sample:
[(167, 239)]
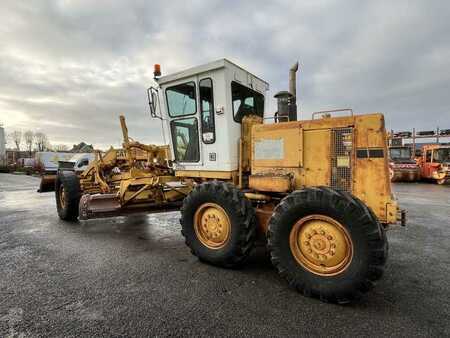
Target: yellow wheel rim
[(321, 245), (62, 196), (212, 225)]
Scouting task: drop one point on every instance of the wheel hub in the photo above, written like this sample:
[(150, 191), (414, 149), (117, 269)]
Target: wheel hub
[(212, 225), (62, 196), (321, 245)]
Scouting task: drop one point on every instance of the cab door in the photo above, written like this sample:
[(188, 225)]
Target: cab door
[(427, 165), (435, 162), (182, 110), (208, 121)]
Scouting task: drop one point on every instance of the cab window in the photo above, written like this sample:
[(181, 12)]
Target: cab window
[(435, 156), (185, 139), (400, 153), (246, 101), (181, 99), (441, 155), (207, 111), (428, 156), (84, 162)]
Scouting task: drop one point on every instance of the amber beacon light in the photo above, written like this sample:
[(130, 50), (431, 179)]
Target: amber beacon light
[(157, 70)]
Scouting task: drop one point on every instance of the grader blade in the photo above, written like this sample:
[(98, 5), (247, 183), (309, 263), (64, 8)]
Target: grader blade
[(96, 206), (47, 183)]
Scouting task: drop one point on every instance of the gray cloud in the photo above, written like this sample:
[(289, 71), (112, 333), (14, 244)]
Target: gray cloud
[(69, 68)]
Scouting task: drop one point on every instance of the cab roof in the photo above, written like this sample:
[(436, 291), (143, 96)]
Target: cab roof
[(218, 64)]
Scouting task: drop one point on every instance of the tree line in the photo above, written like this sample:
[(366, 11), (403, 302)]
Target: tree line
[(30, 141)]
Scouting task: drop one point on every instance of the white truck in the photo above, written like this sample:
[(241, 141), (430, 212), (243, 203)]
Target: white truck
[(50, 162)]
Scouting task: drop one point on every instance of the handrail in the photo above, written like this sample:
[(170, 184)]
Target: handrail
[(276, 118)]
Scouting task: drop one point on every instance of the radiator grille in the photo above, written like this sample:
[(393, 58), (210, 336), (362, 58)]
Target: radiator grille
[(341, 158)]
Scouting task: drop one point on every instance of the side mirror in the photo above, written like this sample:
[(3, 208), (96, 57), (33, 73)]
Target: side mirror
[(152, 94)]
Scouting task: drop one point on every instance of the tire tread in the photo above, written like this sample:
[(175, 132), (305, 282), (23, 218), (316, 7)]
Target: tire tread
[(241, 208), (347, 203)]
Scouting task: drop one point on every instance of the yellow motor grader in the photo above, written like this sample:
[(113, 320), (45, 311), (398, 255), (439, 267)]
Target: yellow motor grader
[(318, 190)]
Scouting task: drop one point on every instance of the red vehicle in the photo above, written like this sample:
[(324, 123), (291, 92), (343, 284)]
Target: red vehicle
[(402, 167), (435, 163)]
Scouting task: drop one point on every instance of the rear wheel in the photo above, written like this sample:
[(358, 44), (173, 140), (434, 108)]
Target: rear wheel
[(327, 244), (67, 193), (218, 224)]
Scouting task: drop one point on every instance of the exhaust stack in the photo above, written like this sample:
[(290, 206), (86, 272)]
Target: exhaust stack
[(293, 79), (293, 90)]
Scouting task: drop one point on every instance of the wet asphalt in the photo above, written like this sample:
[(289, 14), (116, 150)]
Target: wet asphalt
[(133, 276)]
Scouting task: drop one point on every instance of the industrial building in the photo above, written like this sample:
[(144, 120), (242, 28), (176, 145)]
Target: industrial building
[(2, 146)]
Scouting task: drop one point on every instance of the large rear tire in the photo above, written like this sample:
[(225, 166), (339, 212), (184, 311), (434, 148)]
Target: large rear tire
[(68, 194), (327, 244), (218, 224)]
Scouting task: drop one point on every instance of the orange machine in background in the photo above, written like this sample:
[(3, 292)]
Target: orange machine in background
[(435, 163)]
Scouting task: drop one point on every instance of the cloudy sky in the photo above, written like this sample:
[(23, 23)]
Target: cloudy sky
[(69, 68)]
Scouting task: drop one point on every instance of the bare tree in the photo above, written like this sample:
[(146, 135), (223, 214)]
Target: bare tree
[(41, 141), (16, 138), (28, 137), (60, 147)]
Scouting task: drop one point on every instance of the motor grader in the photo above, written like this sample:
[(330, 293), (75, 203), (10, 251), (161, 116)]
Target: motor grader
[(316, 191)]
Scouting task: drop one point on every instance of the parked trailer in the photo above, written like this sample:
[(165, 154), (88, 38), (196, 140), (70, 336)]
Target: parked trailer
[(48, 160)]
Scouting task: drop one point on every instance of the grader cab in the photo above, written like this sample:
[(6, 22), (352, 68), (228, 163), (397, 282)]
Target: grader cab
[(317, 191)]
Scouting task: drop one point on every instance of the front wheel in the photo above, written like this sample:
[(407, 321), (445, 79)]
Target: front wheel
[(67, 193), (327, 244)]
